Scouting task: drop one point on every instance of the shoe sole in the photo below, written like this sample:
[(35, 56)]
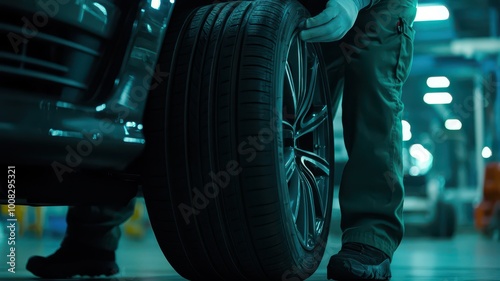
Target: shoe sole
[(68, 270), (359, 272)]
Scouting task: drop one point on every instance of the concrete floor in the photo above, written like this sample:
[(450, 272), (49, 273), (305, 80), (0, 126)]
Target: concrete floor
[(468, 256)]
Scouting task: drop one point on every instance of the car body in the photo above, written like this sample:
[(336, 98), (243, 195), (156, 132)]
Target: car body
[(74, 80), (97, 78)]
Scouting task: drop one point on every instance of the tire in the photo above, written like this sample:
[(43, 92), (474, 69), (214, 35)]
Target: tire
[(445, 223), (239, 182)]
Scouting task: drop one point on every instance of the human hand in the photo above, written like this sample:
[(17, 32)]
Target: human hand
[(332, 23)]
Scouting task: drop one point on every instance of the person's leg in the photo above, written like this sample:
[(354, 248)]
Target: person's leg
[(378, 54), (96, 226), (89, 246)]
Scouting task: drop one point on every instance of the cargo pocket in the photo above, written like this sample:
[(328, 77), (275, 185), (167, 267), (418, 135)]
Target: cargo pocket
[(405, 58)]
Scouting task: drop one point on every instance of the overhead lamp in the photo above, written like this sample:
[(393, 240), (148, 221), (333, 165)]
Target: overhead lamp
[(155, 4), (438, 98), (432, 13), (486, 153), (453, 124), (406, 130), (420, 153), (422, 159), (438, 82), (414, 171), (407, 135)]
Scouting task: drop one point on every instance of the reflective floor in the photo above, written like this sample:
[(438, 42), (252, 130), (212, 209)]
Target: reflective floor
[(468, 256)]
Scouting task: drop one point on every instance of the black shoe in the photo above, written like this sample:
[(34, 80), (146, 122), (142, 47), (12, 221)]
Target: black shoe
[(357, 261), (66, 263)]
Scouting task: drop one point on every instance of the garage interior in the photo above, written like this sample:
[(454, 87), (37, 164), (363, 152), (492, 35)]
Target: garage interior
[(451, 159)]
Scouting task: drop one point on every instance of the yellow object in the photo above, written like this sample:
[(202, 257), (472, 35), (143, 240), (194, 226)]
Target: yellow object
[(134, 226), (24, 224)]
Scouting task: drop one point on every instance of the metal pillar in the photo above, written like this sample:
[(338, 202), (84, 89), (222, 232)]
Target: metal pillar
[(478, 96), (496, 113)]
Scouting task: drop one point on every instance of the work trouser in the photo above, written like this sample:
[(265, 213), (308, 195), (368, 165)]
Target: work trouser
[(375, 59), (96, 227)]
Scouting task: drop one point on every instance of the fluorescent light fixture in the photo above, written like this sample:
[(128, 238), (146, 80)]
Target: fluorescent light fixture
[(453, 124), (419, 152), (422, 159), (407, 135), (155, 4), (406, 130), (414, 171), (486, 153), (406, 125), (438, 82), (438, 98), (432, 13)]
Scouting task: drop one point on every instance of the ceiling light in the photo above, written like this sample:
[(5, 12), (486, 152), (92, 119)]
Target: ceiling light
[(406, 130), (406, 125), (407, 135), (438, 98), (438, 82), (414, 171), (432, 13), (155, 4), (486, 153), (419, 152), (453, 124)]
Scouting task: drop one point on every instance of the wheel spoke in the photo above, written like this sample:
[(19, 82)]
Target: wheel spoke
[(309, 203), (313, 122), (302, 214), (288, 130), (313, 76), (312, 79), (295, 189), (301, 70), (291, 83), (317, 195), (293, 181), (319, 166), (290, 164), (298, 200), (306, 95)]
